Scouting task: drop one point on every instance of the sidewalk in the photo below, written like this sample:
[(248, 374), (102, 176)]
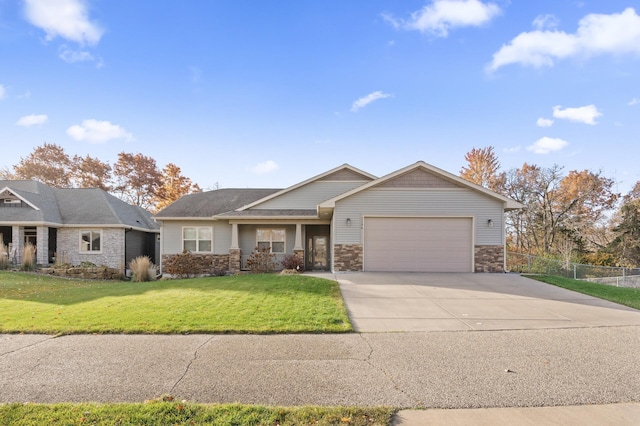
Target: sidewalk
[(627, 414), (513, 368)]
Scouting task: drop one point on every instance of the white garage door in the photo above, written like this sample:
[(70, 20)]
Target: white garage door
[(418, 244)]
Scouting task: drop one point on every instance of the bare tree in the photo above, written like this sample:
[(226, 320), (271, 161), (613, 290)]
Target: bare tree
[(137, 179), (90, 172), (482, 168), (174, 185), (48, 164)]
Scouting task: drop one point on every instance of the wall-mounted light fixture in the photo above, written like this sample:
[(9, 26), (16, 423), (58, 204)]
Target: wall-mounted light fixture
[(348, 221), (490, 223)]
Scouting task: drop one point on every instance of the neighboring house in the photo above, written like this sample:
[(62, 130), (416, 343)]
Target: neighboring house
[(419, 218), (74, 225)]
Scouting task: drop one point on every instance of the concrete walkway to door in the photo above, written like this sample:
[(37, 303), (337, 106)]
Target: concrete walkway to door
[(380, 302)]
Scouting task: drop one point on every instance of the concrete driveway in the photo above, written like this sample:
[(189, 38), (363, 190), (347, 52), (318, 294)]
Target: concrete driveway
[(448, 302)]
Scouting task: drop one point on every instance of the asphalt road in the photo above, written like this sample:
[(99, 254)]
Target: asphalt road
[(459, 369)]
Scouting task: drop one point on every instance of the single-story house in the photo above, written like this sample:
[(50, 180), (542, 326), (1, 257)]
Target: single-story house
[(74, 225), (419, 218)]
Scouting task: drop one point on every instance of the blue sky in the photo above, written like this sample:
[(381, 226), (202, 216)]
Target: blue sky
[(268, 93)]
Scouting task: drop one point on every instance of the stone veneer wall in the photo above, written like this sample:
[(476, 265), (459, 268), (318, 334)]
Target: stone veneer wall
[(347, 257), (85, 273), (213, 264), (112, 242), (235, 261), (489, 259)]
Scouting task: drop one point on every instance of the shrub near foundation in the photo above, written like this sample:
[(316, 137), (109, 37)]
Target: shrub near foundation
[(142, 269), (28, 258), (184, 265), (4, 257)]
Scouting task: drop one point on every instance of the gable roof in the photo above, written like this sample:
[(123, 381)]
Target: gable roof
[(40, 198), (345, 172), (438, 174), (212, 203), (71, 206)]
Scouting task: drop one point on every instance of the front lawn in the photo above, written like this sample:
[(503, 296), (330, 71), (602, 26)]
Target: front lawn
[(184, 413), (622, 295), (267, 303)]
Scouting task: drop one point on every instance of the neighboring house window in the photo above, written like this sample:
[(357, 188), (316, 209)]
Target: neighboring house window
[(90, 241), (197, 239), (272, 238)]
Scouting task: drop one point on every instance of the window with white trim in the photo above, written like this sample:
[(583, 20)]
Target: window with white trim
[(271, 238), (91, 241), (197, 239)]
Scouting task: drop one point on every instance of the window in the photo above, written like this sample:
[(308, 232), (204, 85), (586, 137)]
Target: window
[(197, 239), (271, 238), (90, 241), (8, 202)]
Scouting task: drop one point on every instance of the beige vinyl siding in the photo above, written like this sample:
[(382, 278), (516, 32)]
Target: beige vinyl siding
[(418, 244), (310, 195), (418, 203), (172, 235)]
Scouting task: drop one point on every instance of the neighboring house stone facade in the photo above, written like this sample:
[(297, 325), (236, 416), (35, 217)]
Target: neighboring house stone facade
[(74, 225), (418, 218)]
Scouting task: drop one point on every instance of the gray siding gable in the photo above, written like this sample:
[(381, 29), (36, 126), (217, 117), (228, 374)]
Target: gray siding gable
[(310, 195)]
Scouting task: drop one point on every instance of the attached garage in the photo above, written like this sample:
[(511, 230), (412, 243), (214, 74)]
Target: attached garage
[(418, 244)]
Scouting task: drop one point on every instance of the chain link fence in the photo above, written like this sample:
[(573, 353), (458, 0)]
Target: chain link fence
[(610, 275)]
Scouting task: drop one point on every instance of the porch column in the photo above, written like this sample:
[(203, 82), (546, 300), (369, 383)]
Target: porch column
[(42, 245), (298, 249), (234, 236), (298, 245), (235, 254), (17, 237)]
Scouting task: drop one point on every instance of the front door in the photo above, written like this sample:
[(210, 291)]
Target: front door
[(317, 252)]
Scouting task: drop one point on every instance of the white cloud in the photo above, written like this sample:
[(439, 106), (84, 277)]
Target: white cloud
[(63, 18), (586, 114), (546, 145), (440, 16), (544, 122), (597, 34), (512, 149), (71, 56), (634, 101), (366, 100), (32, 120), (545, 22), (3, 92), (95, 131), (265, 167)]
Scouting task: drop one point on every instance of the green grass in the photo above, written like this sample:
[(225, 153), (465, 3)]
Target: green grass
[(177, 413), (624, 296), (266, 303)]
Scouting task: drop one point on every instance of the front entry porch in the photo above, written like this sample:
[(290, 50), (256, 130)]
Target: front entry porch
[(310, 242)]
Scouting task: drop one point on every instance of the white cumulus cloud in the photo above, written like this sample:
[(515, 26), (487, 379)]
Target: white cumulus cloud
[(32, 120), (546, 145), (634, 101), (68, 19), (3, 92), (544, 122), (544, 22), (597, 34), (265, 167), (366, 100), (440, 16), (586, 114), (95, 131), (71, 56)]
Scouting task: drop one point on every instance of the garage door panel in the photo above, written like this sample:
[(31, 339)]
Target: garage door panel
[(418, 244)]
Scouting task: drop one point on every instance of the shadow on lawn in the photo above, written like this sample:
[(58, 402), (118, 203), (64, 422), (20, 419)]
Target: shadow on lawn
[(60, 291)]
